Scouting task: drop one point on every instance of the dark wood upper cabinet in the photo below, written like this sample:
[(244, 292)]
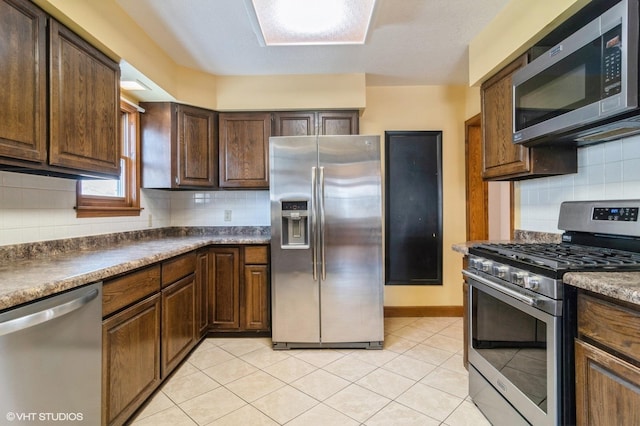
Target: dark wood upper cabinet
[(76, 130), (85, 105), (179, 146), (301, 123), (294, 123), (504, 160), (23, 81), (338, 123), (244, 150)]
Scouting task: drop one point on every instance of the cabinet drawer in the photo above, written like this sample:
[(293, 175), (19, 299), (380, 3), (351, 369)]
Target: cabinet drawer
[(609, 324), (255, 255), (123, 291), (178, 267)]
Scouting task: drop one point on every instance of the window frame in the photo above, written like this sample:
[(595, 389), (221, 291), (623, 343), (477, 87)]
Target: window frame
[(129, 205)]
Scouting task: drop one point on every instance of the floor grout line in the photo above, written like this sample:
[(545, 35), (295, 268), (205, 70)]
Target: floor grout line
[(439, 358)]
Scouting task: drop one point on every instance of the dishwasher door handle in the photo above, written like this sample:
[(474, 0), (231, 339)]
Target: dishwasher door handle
[(45, 315)]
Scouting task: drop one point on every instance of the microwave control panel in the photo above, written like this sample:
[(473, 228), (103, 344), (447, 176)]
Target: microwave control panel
[(612, 62)]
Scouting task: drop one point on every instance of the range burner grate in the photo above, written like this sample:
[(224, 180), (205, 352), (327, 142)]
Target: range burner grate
[(566, 256)]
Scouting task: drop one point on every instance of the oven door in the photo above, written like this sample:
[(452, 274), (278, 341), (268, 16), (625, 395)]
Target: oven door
[(515, 348)]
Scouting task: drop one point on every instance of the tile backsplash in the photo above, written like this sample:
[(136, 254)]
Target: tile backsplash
[(220, 208), (38, 208), (607, 171)]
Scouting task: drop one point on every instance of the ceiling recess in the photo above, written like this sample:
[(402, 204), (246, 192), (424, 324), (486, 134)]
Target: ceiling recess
[(312, 22)]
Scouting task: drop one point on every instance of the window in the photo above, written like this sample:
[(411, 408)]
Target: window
[(116, 197)]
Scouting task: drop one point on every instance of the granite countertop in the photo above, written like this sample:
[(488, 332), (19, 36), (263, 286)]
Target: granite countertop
[(624, 286), (32, 271), (519, 236)]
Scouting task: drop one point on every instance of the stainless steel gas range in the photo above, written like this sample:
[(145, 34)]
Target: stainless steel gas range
[(522, 315)]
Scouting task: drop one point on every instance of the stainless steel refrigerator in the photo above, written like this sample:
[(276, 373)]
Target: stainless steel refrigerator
[(326, 241)]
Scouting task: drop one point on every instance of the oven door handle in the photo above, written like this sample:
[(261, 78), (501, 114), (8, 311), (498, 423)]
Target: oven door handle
[(521, 297)]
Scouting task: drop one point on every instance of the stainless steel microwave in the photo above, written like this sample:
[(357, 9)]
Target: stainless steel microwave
[(584, 89)]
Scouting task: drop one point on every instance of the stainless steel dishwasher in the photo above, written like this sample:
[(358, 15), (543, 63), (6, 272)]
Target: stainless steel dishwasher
[(50, 360)]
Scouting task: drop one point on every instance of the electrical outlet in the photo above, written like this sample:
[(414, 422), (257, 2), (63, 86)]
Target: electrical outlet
[(227, 215), (150, 221)]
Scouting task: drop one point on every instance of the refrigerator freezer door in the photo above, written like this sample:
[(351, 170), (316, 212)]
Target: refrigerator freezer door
[(295, 292), (351, 296)]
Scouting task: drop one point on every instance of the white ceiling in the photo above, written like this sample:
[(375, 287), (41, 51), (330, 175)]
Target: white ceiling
[(410, 42)]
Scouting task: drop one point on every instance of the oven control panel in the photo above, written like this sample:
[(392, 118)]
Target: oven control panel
[(516, 276), (626, 214), (613, 217)]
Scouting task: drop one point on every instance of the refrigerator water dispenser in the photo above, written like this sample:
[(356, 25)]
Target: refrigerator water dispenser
[(295, 224)]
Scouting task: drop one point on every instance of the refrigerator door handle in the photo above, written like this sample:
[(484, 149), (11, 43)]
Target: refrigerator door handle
[(314, 227), (322, 235)]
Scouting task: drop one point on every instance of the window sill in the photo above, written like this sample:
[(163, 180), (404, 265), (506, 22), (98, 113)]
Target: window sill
[(91, 211)]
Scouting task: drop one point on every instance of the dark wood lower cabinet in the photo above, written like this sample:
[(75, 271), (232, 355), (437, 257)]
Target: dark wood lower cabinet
[(178, 322), (256, 299), (224, 288), (607, 388), (202, 291), (153, 317), (239, 289), (130, 359), (607, 362)]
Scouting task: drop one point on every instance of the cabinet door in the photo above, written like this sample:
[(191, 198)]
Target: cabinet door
[(338, 123), (202, 302), (23, 84), (504, 160), (178, 322), (84, 105), (130, 359), (224, 290), (294, 123), (501, 155), (244, 150), (256, 297), (197, 147), (607, 388)]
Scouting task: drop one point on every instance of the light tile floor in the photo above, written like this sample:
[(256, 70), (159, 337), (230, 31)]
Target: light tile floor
[(417, 379)]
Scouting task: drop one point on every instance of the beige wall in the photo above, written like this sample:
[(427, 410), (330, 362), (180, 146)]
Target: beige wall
[(107, 26), (428, 108), (516, 28), (342, 91), (383, 108), (472, 102)]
